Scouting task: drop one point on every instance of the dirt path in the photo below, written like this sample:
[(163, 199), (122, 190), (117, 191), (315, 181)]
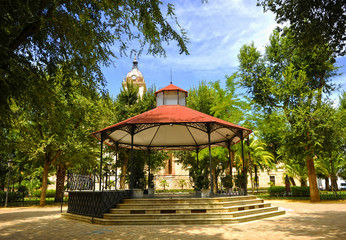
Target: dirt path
[(302, 220)]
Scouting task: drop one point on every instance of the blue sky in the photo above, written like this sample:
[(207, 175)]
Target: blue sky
[(216, 30)]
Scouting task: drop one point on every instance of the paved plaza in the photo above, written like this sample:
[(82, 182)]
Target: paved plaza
[(303, 220)]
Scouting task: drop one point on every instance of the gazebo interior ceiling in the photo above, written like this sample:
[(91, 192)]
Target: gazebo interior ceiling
[(172, 127)]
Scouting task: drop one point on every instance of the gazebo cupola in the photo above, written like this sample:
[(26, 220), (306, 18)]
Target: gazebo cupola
[(171, 95)]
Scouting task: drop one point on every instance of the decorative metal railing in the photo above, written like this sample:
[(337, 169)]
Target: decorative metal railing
[(92, 195)]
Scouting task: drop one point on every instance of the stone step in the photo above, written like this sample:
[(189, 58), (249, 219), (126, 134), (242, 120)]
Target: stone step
[(176, 221), (173, 209), (197, 205), (187, 200), (189, 215)]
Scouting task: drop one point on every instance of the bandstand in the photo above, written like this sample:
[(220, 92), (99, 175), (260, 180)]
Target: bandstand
[(169, 126)]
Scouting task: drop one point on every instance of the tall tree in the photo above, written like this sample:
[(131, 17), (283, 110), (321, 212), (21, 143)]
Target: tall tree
[(313, 22), (129, 104), (37, 37), (287, 79), (53, 128)]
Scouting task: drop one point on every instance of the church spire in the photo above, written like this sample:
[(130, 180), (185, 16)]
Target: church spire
[(135, 63)]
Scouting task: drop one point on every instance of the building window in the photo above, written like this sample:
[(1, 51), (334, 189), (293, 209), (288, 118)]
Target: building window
[(272, 179)]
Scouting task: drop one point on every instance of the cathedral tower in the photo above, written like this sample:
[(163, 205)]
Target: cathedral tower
[(136, 77)]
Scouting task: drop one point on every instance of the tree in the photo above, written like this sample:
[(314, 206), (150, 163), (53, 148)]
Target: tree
[(38, 37), (312, 22), (210, 98), (202, 98), (287, 79), (256, 156), (296, 168), (130, 104), (56, 129)]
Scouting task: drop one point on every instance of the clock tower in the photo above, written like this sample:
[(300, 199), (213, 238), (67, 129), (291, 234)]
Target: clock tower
[(135, 77)]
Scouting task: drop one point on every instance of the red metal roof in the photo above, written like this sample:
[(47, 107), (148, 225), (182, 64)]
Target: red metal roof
[(171, 87), (172, 114)]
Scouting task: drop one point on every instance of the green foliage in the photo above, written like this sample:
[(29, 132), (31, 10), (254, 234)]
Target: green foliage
[(31, 185), (164, 184), (210, 98), (300, 191), (312, 22), (201, 182), (277, 191), (291, 82), (227, 181), (240, 180), (39, 37), (23, 189), (201, 98), (49, 193), (151, 180), (182, 183), (12, 196)]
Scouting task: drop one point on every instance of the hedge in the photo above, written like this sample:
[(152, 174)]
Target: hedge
[(12, 196), (277, 191), (300, 191), (49, 193)]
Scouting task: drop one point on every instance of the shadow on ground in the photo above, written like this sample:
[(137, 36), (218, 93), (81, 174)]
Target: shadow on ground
[(47, 224)]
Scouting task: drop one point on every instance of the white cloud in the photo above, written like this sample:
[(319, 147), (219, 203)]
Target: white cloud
[(217, 30)]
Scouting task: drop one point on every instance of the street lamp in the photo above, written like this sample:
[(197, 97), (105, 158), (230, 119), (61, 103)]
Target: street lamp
[(9, 164)]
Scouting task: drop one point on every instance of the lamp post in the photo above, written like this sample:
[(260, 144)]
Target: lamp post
[(9, 164)]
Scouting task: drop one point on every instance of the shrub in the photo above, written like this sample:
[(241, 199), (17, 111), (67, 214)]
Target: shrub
[(49, 193), (300, 191), (240, 180), (277, 191), (12, 196), (23, 190), (227, 181)]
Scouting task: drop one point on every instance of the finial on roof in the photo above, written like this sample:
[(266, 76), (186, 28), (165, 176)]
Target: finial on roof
[(171, 75), (135, 63)]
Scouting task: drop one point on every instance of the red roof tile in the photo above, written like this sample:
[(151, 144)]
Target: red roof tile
[(171, 87), (172, 114)]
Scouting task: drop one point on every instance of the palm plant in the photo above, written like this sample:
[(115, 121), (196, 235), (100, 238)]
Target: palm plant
[(329, 167), (256, 156), (295, 169)]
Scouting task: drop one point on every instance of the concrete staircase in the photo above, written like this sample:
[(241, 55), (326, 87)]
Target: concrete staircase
[(185, 211)]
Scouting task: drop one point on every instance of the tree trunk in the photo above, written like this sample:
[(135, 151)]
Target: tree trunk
[(327, 183), (47, 162), (251, 179), (303, 182), (334, 184), (60, 183), (292, 181), (124, 172), (314, 193), (333, 177), (44, 183)]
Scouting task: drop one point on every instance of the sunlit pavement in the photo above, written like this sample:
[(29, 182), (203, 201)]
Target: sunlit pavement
[(303, 220)]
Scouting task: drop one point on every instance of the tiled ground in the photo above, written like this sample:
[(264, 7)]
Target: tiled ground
[(302, 220)]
